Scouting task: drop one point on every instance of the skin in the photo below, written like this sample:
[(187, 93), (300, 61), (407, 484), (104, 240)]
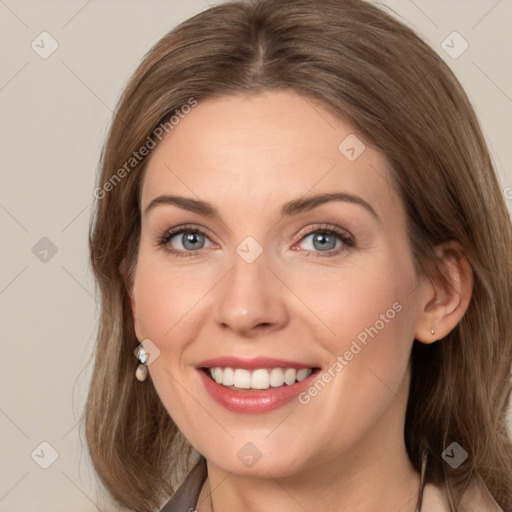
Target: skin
[(248, 155)]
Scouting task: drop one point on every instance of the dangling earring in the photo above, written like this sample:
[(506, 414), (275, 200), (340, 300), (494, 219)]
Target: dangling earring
[(141, 373)]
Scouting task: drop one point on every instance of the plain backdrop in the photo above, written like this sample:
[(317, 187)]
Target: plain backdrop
[(55, 113)]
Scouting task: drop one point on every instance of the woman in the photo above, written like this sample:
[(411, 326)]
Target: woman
[(300, 235)]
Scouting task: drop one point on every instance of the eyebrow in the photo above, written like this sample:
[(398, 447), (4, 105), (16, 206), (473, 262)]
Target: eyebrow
[(293, 207)]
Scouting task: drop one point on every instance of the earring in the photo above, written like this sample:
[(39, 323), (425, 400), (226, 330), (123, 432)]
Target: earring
[(432, 331), (141, 373)]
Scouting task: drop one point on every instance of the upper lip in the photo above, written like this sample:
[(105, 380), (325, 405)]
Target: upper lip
[(252, 363)]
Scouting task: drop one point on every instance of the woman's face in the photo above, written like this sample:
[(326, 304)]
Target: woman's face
[(266, 277)]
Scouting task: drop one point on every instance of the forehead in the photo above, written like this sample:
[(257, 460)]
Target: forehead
[(255, 150)]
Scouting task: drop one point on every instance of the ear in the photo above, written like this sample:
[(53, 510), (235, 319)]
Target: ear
[(445, 293)]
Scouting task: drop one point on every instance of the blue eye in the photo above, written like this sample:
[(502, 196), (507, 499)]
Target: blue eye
[(326, 241), (323, 240), (191, 240)]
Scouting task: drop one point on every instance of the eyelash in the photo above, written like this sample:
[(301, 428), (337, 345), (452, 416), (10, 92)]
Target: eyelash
[(347, 241)]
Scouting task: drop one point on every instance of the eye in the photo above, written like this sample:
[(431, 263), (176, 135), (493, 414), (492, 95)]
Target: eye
[(329, 240), (326, 240), (190, 240), (183, 241)]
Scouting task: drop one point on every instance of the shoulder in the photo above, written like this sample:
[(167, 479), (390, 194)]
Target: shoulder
[(476, 498)]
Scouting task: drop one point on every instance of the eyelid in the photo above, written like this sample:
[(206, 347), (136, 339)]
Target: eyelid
[(327, 227)]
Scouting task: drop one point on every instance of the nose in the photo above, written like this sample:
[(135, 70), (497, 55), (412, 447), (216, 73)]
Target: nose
[(251, 298)]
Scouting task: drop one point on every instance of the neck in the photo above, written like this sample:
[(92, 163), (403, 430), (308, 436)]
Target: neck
[(382, 479)]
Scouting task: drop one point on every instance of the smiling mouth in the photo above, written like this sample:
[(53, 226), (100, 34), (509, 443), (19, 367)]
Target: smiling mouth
[(259, 379)]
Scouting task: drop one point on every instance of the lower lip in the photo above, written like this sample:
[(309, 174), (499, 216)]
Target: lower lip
[(254, 401)]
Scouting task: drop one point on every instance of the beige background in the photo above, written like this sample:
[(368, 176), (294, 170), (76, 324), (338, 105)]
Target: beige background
[(55, 113)]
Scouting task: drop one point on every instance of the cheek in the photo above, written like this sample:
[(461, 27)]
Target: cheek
[(166, 297), (370, 319), (368, 323), (360, 301)]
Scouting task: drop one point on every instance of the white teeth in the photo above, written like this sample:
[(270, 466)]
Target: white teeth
[(303, 373), (261, 378), (276, 377), (290, 375), (217, 375), (242, 378), (228, 377)]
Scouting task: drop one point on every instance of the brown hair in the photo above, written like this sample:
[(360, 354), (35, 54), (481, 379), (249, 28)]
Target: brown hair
[(399, 95)]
